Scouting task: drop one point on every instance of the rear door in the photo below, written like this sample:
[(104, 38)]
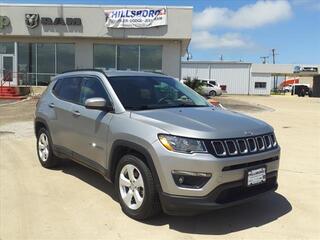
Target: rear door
[(90, 126)]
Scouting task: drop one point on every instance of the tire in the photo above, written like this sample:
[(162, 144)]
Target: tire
[(46, 158), (130, 194), (212, 93)]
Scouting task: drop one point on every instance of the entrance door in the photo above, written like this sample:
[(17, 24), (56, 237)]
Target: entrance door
[(7, 76)]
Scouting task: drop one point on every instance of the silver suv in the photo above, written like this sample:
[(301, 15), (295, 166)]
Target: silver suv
[(161, 144)]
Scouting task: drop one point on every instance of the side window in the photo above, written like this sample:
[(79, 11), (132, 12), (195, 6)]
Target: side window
[(68, 89), (56, 87), (92, 88)]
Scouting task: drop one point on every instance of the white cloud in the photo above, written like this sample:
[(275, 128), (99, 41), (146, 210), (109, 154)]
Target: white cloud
[(248, 16), (206, 40)]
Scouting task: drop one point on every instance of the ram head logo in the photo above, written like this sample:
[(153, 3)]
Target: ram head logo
[(32, 20)]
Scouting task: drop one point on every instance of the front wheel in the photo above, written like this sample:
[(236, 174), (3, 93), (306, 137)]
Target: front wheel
[(136, 189)]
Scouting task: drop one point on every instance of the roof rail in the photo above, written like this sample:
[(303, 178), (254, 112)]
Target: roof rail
[(85, 69), (161, 73)]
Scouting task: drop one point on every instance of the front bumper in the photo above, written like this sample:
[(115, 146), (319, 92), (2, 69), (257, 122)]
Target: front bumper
[(222, 170), (224, 195)]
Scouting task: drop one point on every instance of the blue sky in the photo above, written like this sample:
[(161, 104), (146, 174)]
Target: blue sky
[(244, 29)]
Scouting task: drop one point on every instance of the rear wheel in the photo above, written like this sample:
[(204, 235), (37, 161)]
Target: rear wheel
[(44, 149), (136, 189)]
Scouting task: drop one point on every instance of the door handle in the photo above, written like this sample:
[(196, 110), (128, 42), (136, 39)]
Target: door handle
[(76, 113), (51, 105)]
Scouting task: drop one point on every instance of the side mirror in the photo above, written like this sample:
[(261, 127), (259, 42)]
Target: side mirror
[(99, 104)]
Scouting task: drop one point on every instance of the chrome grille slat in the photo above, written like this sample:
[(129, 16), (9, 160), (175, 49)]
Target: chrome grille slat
[(245, 144), (231, 153), (260, 143), (254, 143), (242, 146), (267, 141)]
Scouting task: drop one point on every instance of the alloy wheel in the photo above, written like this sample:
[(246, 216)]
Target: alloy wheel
[(131, 186), (43, 147)]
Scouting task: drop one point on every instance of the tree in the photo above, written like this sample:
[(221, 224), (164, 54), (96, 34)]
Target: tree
[(194, 84)]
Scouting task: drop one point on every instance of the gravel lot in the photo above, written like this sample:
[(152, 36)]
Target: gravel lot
[(73, 202)]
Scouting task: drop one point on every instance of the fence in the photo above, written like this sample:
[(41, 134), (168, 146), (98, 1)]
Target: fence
[(25, 79)]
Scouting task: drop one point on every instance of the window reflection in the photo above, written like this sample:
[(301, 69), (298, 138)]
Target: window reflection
[(128, 57), (104, 56)]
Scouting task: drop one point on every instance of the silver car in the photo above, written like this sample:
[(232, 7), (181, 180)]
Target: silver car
[(211, 90), (162, 145)]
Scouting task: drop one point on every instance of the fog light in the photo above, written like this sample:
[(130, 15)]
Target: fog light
[(181, 179), (187, 179)]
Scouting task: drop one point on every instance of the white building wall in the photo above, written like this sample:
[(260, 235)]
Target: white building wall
[(234, 76), (260, 77), (195, 70)]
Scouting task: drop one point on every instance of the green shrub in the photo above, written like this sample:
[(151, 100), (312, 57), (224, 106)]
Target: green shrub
[(194, 83)]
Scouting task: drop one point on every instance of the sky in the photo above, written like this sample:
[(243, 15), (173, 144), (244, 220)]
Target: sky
[(243, 30)]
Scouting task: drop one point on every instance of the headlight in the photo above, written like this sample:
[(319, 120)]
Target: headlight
[(181, 144)]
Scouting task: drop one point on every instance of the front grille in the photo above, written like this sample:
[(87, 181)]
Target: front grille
[(243, 146), (250, 164)]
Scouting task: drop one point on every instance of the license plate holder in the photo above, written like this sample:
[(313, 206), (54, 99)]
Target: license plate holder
[(256, 176)]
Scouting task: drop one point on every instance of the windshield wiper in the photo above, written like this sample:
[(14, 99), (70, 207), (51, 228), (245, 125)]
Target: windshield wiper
[(187, 105)]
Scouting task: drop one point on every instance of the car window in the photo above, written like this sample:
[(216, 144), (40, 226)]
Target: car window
[(92, 88), (68, 89), (148, 92)]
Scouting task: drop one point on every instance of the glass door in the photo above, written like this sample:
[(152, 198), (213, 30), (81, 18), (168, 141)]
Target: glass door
[(6, 69)]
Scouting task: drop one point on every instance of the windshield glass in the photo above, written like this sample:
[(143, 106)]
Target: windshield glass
[(145, 92)]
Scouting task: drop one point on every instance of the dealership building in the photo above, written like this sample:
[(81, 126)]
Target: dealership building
[(40, 41)]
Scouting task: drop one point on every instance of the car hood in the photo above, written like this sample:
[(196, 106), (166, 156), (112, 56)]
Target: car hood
[(203, 122)]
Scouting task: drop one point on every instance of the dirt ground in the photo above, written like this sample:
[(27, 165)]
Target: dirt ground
[(73, 202)]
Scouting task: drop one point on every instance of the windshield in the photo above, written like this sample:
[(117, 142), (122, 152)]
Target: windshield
[(145, 92)]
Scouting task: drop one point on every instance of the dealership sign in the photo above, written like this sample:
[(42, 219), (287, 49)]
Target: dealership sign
[(33, 20), (4, 22), (136, 18)]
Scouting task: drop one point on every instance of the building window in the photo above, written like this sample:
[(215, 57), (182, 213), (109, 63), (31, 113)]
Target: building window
[(150, 58), (128, 57), (104, 56), (38, 62), (45, 62), (65, 57), (260, 85), (27, 67), (6, 48)]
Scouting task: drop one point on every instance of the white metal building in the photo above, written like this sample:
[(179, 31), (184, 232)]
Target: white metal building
[(239, 77)]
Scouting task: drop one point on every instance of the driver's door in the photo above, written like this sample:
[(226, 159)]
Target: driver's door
[(91, 126)]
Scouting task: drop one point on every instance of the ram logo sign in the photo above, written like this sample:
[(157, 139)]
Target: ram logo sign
[(136, 18)]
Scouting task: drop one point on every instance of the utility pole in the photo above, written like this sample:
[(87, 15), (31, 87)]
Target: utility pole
[(189, 55), (264, 59), (273, 50)]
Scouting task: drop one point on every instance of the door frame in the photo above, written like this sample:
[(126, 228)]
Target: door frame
[(14, 74)]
